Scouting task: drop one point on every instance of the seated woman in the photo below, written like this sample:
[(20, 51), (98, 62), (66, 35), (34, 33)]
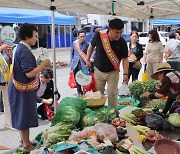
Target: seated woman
[(45, 93)]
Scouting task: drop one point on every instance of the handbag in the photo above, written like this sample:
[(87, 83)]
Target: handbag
[(137, 65), (144, 74), (71, 81)]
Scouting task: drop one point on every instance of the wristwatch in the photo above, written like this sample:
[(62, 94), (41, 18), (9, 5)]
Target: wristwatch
[(125, 74)]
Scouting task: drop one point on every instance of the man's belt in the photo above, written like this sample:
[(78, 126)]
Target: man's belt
[(26, 87)]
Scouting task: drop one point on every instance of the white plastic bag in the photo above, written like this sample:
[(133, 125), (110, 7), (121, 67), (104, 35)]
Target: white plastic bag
[(124, 90)]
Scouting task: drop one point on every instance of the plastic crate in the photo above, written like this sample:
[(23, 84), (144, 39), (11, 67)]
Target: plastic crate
[(136, 102)]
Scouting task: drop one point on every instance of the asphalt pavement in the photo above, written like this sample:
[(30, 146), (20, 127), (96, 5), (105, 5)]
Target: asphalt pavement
[(10, 138)]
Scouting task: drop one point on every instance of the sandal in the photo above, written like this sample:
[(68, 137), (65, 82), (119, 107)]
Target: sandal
[(32, 142), (29, 147), (9, 127)]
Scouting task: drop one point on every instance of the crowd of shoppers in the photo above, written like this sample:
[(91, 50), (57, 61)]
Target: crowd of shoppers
[(29, 83)]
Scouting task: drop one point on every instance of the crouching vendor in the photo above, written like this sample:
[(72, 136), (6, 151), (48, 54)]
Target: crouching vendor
[(170, 85), (45, 93)]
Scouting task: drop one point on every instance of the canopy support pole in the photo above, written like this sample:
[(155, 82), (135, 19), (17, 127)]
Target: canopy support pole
[(53, 8)]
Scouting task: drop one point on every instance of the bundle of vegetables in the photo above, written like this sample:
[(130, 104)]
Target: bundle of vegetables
[(131, 118), (138, 111), (151, 86), (156, 104), (39, 61), (174, 119), (128, 145), (70, 110), (106, 113), (136, 89), (91, 117), (142, 130), (57, 133)]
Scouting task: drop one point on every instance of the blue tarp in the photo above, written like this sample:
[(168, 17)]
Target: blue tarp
[(168, 21), (14, 15)]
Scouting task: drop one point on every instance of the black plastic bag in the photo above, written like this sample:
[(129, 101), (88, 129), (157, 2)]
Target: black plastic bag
[(157, 122), (108, 150)]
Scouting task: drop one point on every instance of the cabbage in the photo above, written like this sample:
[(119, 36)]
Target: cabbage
[(66, 114), (174, 119)]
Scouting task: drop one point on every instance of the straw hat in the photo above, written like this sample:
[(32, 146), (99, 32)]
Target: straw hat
[(161, 67)]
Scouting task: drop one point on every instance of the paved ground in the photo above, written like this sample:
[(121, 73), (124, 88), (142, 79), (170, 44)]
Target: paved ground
[(10, 138)]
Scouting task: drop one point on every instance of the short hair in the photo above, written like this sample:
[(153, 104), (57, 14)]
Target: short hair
[(116, 24), (47, 73), (81, 31), (172, 35), (26, 31), (154, 35), (134, 32)]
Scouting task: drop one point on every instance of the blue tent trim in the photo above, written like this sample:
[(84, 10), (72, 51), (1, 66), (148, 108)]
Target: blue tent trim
[(168, 21), (14, 15)]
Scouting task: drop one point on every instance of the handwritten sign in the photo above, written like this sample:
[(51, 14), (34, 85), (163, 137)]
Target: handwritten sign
[(8, 33), (82, 78)]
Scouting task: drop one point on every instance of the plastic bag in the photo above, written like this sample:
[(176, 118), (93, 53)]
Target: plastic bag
[(80, 135), (144, 74), (91, 86), (108, 150), (157, 122), (71, 81), (134, 136), (124, 90), (105, 132), (49, 112)]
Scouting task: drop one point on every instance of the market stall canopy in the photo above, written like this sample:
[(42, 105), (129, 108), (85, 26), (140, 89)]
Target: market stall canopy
[(168, 21), (13, 15), (130, 8)]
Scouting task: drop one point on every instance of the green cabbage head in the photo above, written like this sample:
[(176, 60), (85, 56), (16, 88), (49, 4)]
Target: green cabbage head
[(174, 119)]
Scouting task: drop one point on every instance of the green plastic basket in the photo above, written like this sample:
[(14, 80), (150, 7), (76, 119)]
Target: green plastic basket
[(136, 102)]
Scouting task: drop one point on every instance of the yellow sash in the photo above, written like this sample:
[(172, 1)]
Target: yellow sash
[(4, 69)]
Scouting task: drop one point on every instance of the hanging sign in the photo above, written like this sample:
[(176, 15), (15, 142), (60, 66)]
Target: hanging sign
[(8, 33), (83, 78)]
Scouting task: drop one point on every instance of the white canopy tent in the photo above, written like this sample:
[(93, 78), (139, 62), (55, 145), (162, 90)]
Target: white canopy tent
[(147, 9), (130, 8)]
